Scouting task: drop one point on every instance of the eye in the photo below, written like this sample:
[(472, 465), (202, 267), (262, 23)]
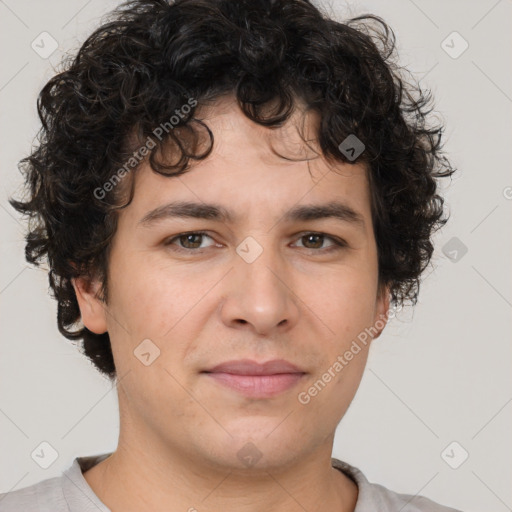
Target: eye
[(316, 241), (192, 242), (189, 241)]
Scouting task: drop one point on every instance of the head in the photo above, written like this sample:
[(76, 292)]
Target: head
[(244, 109)]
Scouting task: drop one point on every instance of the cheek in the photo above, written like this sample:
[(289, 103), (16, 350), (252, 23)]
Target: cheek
[(152, 298), (345, 302)]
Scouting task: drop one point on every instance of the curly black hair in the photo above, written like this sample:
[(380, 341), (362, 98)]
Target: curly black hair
[(150, 58)]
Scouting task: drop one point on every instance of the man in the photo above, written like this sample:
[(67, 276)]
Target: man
[(229, 194)]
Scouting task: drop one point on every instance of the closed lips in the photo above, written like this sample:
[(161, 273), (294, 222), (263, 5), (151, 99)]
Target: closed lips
[(256, 380), (248, 367)]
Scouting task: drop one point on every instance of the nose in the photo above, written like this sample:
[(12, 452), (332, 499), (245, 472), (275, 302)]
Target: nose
[(260, 295)]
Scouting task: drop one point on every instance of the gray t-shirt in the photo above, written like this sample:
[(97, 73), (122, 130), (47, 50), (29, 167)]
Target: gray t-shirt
[(71, 493)]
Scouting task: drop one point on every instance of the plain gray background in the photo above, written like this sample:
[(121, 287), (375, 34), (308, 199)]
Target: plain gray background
[(439, 374)]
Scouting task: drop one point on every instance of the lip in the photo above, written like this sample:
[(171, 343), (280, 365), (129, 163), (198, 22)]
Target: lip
[(256, 380), (250, 367)]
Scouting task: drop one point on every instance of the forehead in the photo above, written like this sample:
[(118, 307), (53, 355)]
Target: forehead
[(254, 172)]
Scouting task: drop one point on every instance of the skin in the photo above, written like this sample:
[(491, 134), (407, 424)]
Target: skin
[(180, 432)]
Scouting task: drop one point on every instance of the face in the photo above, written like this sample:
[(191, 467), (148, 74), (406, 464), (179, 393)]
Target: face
[(270, 283)]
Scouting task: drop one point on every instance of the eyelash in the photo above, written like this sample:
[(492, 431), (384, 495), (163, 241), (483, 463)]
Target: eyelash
[(338, 242)]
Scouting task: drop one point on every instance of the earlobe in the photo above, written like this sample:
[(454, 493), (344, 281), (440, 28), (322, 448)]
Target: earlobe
[(381, 310), (92, 309)]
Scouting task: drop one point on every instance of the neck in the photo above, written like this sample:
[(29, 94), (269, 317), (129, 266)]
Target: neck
[(134, 479)]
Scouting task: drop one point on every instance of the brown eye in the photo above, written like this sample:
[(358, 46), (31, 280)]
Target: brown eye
[(188, 241), (315, 241), (192, 239)]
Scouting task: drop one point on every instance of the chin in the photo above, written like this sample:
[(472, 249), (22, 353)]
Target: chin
[(255, 443)]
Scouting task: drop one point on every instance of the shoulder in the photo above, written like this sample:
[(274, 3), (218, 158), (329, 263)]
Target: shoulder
[(68, 492), (390, 500), (377, 497), (44, 496)]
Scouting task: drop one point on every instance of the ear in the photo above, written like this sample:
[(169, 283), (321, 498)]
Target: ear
[(381, 309), (92, 309)]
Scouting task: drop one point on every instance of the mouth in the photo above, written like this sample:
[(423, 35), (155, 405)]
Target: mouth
[(256, 380)]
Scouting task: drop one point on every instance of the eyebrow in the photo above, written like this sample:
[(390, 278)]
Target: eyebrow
[(309, 212)]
